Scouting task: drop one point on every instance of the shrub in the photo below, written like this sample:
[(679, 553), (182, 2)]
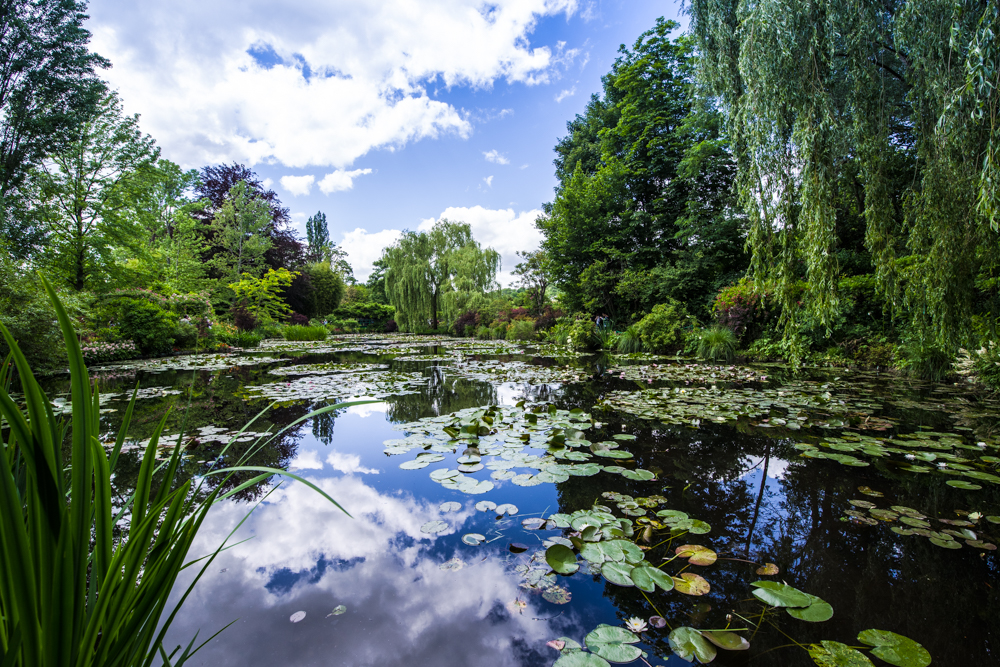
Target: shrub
[(717, 343), (186, 335), (151, 328), (582, 335), (391, 326), (607, 339), (29, 318), (466, 323), (298, 318), (484, 332), (304, 333), (521, 330), (986, 364), (925, 361), (243, 319), (744, 308), (662, 330), (548, 318), (629, 342), (507, 315), (498, 332), (328, 288), (102, 353), (269, 330)]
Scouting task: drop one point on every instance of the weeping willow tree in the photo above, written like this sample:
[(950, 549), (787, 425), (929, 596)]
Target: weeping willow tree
[(437, 272), (899, 97)]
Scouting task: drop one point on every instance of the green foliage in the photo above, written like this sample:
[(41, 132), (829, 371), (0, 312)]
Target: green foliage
[(630, 342), (28, 316), (435, 272), (521, 330), (925, 360), (139, 316), (241, 226), (93, 574), (986, 364), (328, 288), (885, 132), (376, 313), (717, 343), (582, 335), (483, 332), (304, 333), (535, 274), (663, 329), (235, 338), (262, 296), (318, 238)]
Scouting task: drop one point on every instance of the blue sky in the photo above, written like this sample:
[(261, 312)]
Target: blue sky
[(386, 115)]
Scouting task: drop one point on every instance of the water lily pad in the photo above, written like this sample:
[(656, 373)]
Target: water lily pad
[(777, 594), (562, 559), (617, 573), (696, 554), (297, 616), (453, 564), (962, 484), (689, 644), (613, 453), (580, 659), (639, 475), (916, 523), (475, 487), (834, 654), (895, 649), (473, 539), (768, 569), (557, 595), (433, 527), (979, 544), (884, 515), (657, 622), (946, 544), (727, 640), (338, 610), (526, 479), (817, 612), (486, 505), (450, 506), (646, 578), (864, 504), (534, 523), (443, 474), (691, 584), (869, 492), (623, 436), (612, 643)]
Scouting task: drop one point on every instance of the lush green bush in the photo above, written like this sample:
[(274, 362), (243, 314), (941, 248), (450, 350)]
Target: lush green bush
[(521, 330), (582, 335), (328, 288), (483, 332), (230, 335), (717, 343), (29, 317), (186, 335), (269, 330), (607, 338), (986, 364), (298, 332), (663, 329), (629, 342), (925, 360)]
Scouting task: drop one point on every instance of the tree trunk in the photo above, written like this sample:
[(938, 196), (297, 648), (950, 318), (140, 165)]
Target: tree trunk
[(434, 308)]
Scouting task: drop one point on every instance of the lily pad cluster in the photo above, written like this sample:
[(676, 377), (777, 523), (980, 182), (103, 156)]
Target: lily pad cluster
[(340, 386), (496, 438), (945, 533), (191, 362), (681, 372)]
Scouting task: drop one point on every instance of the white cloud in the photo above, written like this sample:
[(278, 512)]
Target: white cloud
[(313, 82), (565, 93), (488, 181), (340, 180), (523, 166), (495, 157), (348, 464), (363, 248), (501, 229), (298, 185), (306, 460)]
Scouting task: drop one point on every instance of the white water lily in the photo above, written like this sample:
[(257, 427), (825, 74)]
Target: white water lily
[(910, 456), (975, 516), (636, 624)]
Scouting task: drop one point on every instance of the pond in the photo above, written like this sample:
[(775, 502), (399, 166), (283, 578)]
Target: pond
[(507, 502)]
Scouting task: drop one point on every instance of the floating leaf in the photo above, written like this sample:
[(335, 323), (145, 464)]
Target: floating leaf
[(486, 505), (473, 539), (696, 554), (557, 644), (780, 595), (612, 643), (473, 487), (657, 622), (453, 564), (835, 654), (562, 559), (689, 644), (979, 544), (768, 569), (580, 659), (623, 436), (916, 523), (863, 504), (869, 492), (450, 507), (817, 612), (557, 595), (727, 640), (338, 610), (962, 484), (895, 649), (946, 544), (646, 578), (517, 547), (691, 584), (433, 527), (617, 573), (534, 523), (297, 616)]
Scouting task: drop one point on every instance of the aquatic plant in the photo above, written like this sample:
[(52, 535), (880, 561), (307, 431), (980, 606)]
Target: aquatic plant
[(629, 342), (521, 330), (717, 343), (925, 360), (76, 589), (301, 333)]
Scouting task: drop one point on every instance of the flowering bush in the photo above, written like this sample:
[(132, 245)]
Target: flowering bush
[(743, 307), (101, 353), (466, 323)]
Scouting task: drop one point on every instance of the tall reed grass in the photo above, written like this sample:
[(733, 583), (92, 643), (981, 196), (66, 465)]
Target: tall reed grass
[(74, 593)]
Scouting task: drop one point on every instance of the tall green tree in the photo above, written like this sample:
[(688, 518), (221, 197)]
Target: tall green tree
[(437, 271), (643, 211), (48, 86), (317, 238), (896, 101), (83, 194), (241, 225), (535, 274)]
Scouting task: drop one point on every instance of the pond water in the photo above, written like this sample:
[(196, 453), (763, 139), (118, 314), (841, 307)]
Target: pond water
[(876, 495)]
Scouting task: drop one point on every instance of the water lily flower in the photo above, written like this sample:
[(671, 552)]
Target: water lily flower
[(975, 516), (980, 444), (942, 464), (650, 380), (910, 456), (636, 624)]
